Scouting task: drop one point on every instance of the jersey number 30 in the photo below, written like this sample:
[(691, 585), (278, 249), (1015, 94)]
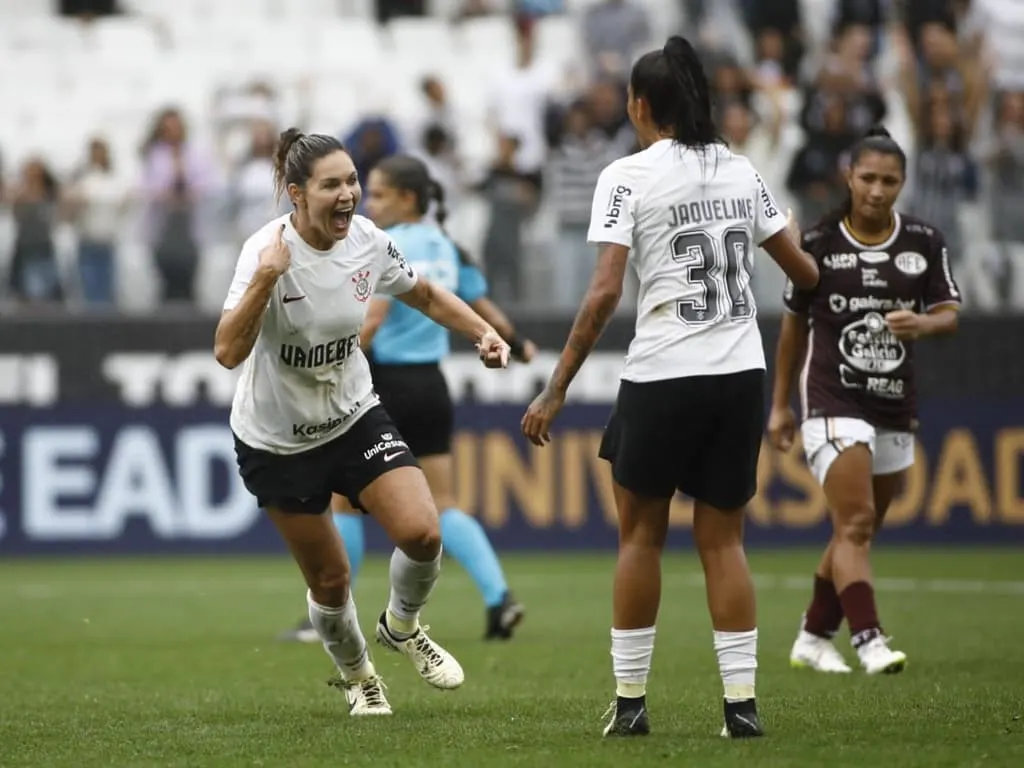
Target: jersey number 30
[(720, 270)]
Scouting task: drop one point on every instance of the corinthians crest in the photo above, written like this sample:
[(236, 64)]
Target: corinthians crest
[(362, 281)]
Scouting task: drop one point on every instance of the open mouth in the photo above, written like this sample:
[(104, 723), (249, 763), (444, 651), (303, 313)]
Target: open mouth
[(341, 218)]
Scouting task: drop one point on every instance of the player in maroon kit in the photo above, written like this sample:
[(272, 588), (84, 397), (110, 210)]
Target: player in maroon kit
[(885, 282)]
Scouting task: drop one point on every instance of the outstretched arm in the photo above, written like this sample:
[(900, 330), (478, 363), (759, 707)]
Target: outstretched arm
[(522, 349), (445, 308)]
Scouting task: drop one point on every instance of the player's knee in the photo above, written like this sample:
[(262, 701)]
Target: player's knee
[(717, 530), (856, 525), (422, 540), (329, 585)]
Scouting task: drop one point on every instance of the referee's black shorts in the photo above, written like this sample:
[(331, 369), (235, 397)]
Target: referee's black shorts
[(303, 482), (417, 399), (700, 435)]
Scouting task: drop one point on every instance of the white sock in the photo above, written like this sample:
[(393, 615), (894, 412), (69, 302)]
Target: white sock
[(631, 660), (411, 585), (737, 661), (342, 638)]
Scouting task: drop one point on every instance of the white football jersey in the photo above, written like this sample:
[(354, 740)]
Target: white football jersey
[(691, 221), (306, 380)]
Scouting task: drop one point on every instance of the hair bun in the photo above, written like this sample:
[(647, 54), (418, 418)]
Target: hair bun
[(677, 45), (879, 131)]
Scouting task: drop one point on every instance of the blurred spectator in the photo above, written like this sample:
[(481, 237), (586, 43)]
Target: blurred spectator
[(919, 13), (1005, 158), (695, 10), (771, 68), (945, 175), (613, 32), (755, 137), (474, 9), (606, 104), (390, 9), (847, 74), (519, 100), (1000, 24), (252, 199), (795, 83), (815, 177), (35, 273), (372, 139), (730, 82), (438, 153), (534, 9), (177, 178), (88, 9), (864, 13), (236, 111), (583, 152), (512, 197), (778, 36), (97, 200), (434, 111), (940, 68)]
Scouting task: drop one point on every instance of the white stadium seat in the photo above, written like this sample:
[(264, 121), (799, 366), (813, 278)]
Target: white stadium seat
[(420, 36)]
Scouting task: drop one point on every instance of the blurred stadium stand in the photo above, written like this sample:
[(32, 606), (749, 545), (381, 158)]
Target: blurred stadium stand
[(801, 77), (134, 159)]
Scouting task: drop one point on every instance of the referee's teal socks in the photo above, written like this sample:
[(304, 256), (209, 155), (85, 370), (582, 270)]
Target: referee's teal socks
[(465, 539), (351, 529)]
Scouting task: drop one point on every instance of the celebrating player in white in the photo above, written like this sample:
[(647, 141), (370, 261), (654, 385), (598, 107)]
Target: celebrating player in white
[(306, 420), (685, 213)]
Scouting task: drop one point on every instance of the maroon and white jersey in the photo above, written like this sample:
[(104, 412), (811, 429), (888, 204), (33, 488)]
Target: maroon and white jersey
[(855, 366)]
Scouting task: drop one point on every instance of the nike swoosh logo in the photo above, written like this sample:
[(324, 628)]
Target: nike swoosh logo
[(290, 299), (390, 456), (746, 721)]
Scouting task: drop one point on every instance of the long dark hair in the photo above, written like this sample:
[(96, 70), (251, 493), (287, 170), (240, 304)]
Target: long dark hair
[(407, 173), (879, 140), (673, 83)]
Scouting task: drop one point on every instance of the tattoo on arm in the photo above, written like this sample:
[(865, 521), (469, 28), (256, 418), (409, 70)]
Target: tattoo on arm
[(590, 323)]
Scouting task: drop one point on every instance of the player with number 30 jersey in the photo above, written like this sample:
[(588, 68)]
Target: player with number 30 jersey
[(686, 214), (692, 223)]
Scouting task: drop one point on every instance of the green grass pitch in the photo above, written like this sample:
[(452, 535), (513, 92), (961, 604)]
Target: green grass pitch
[(173, 663)]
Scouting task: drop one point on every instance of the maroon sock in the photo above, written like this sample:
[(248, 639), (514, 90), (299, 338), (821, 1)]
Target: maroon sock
[(825, 613), (858, 601)]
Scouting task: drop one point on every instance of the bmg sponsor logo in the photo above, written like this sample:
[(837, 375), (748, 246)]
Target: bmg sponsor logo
[(616, 201)]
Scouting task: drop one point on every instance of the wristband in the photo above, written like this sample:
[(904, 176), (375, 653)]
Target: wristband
[(515, 346)]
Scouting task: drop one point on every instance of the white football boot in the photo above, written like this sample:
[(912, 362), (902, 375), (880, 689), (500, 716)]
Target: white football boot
[(817, 653), (433, 663), (364, 697), (876, 657)]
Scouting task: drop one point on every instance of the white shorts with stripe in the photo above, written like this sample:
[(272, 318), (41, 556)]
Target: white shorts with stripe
[(825, 438)]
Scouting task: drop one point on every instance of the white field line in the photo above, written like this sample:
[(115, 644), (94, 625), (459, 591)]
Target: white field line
[(69, 589)]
